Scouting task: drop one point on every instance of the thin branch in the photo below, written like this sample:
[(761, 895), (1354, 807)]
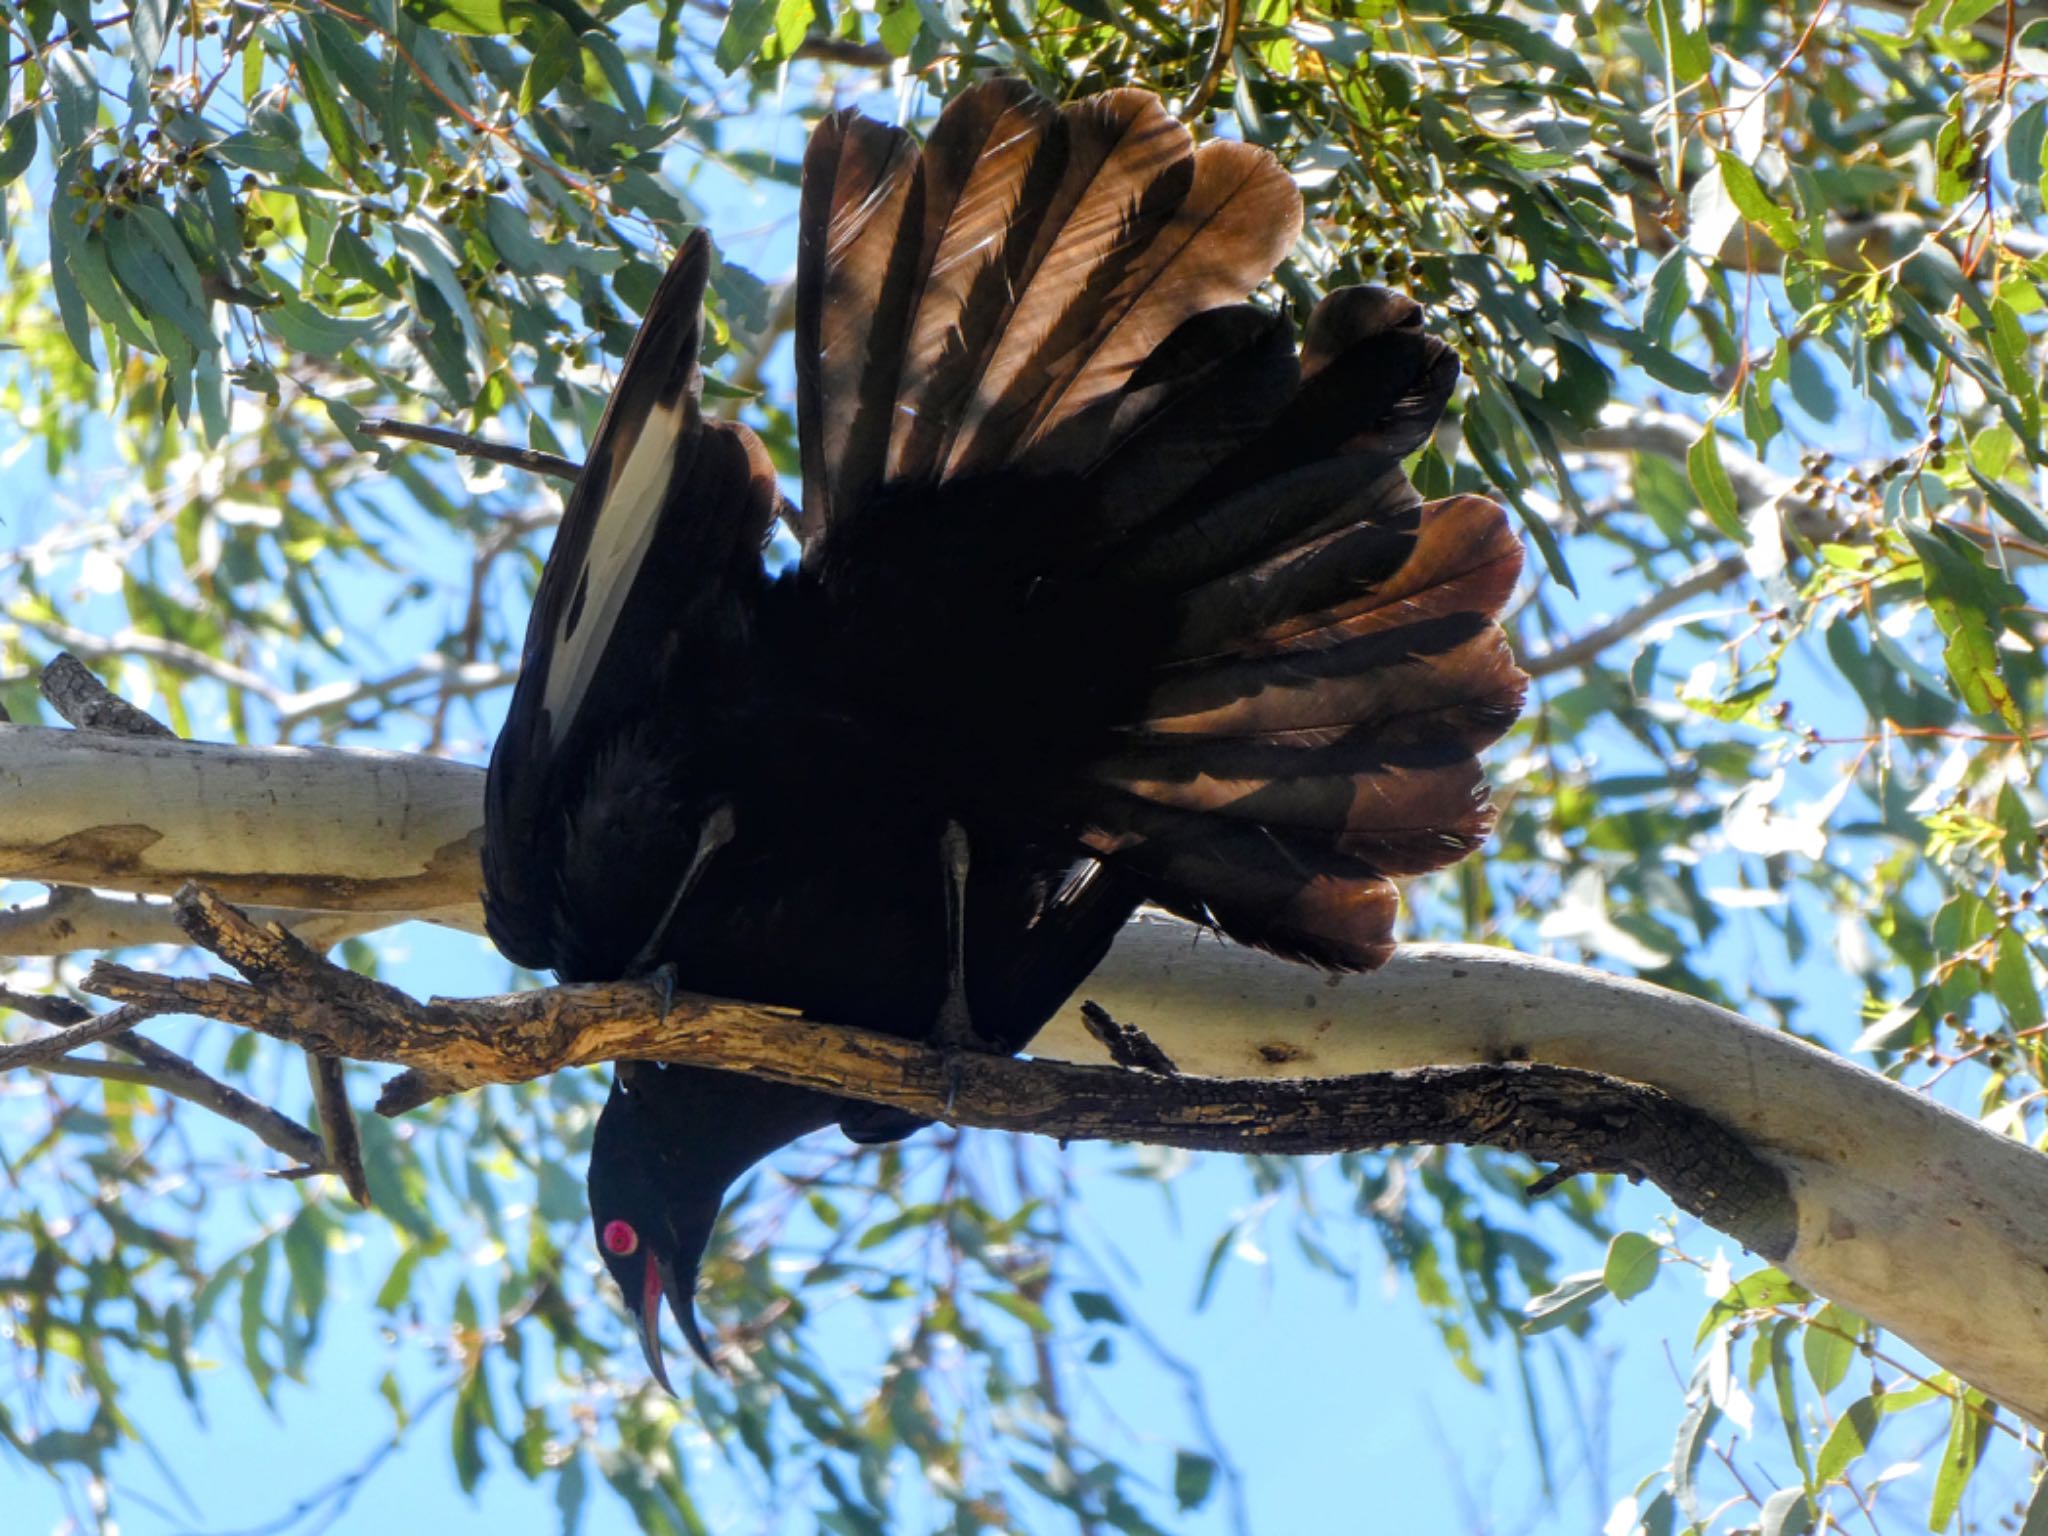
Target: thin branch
[(71, 35), (332, 1501), (746, 373), (533, 460), (839, 50), (1708, 576), (338, 1128), (44, 1008), (1230, 14), (45, 1048), (172, 653), (171, 1073), (452, 679), (73, 918), (1031, 1272), (1626, 429), (1195, 1398)]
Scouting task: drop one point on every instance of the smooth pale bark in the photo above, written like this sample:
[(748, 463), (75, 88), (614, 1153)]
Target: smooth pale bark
[(307, 828), (1908, 1213)]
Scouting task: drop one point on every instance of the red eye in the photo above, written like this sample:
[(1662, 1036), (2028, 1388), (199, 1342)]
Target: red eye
[(620, 1239)]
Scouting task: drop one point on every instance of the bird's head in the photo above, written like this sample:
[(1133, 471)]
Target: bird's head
[(670, 1142)]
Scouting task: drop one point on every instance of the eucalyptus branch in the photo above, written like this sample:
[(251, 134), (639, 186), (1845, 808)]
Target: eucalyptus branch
[(339, 1133), (1580, 1119), (171, 653), (314, 829), (43, 1048), (839, 50), (170, 1073), (89, 705), (1908, 1213), (452, 679), (72, 919), (44, 1007), (1668, 435), (533, 460), (1707, 576)]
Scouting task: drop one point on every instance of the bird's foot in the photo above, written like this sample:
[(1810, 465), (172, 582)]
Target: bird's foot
[(663, 977), (958, 1041), (953, 1033), (955, 1029)]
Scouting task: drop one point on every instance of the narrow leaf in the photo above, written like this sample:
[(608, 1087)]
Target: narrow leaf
[(1710, 482)]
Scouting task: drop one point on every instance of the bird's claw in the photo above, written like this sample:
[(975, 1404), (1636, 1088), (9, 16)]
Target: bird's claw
[(957, 1040), (663, 977)]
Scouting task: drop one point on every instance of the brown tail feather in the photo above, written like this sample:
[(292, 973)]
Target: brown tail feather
[(1240, 217), (984, 304), (860, 229), (1127, 171), (1459, 557), (990, 167), (1336, 668), (1207, 391), (1279, 891)]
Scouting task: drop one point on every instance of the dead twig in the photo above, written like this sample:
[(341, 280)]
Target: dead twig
[(1230, 13), (530, 459), (28, 1053), (168, 1072), (82, 700), (60, 1011), (338, 1128), (1128, 1046)]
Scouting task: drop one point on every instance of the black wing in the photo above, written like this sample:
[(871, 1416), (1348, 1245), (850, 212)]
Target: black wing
[(640, 625)]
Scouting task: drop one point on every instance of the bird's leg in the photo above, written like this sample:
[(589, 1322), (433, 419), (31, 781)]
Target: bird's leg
[(955, 1029), (715, 834), (953, 1033)]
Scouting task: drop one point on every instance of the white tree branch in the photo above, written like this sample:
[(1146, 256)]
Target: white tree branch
[(1909, 1213), (72, 919), (316, 829)]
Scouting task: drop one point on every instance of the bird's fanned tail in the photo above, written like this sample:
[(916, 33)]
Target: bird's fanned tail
[(1058, 293)]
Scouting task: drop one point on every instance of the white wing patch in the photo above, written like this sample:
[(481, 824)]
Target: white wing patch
[(618, 546)]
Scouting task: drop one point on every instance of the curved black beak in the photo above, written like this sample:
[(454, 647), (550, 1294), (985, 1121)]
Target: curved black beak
[(678, 1289)]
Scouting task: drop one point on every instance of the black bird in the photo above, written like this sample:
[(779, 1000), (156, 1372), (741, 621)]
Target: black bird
[(1107, 595)]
